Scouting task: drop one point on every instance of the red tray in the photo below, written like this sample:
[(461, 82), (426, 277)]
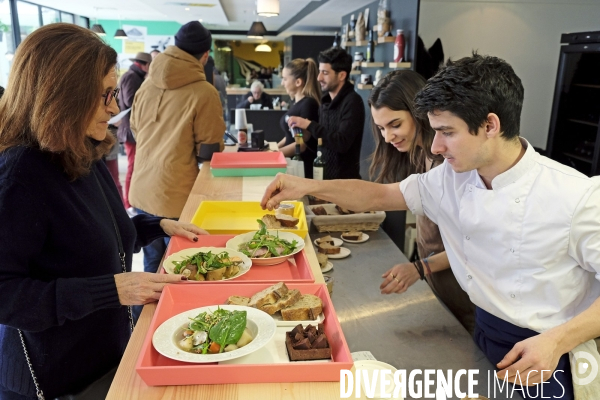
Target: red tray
[(156, 369), (269, 159), (286, 271)]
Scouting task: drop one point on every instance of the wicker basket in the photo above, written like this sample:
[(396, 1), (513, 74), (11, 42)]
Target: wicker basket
[(336, 222)]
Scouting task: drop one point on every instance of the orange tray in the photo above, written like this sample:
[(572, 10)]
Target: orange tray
[(297, 270), (271, 159), (155, 369)]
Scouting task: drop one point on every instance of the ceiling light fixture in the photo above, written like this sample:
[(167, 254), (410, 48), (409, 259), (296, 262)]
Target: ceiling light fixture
[(267, 8), (257, 30), (120, 33), (263, 48), (98, 29)]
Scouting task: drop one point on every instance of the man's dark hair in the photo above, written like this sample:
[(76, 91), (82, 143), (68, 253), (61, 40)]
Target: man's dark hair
[(1, 91), (473, 87), (338, 59)]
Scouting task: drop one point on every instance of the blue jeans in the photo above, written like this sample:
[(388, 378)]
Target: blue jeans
[(153, 254)]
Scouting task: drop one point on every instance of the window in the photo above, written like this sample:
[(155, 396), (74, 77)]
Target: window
[(83, 21), (66, 17), (29, 18), (50, 16)]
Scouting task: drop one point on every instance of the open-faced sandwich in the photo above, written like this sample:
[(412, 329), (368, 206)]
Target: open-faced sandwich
[(208, 266)]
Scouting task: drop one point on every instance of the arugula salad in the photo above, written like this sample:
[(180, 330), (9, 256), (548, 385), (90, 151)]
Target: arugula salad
[(208, 266), (213, 333), (265, 245)]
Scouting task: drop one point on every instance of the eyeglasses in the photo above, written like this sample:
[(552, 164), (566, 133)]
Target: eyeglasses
[(109, 95)]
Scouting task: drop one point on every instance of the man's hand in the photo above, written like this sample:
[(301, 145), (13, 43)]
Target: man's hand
[(285, 187), (399, 278), (298, 122), (137, 288), (251, 99), (531, 356), (176, 228)]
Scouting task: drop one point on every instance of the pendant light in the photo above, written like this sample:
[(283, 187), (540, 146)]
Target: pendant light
[(263, 48), (120, 33), (257, 30), (97, 28), (267, 8)]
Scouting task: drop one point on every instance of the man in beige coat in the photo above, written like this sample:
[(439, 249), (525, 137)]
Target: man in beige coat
[(176, 116)]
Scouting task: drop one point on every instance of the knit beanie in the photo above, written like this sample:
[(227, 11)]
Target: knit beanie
[(193, 38)]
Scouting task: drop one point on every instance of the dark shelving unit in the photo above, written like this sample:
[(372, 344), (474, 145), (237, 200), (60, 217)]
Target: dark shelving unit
[(574, 136)]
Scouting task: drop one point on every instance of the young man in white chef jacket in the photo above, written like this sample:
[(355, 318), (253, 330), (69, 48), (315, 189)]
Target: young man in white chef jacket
[(522, 232)]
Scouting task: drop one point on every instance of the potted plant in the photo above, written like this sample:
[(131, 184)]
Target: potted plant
[(3, 28)]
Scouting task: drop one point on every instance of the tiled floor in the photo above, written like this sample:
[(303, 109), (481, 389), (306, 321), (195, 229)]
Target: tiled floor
[(138, 259)]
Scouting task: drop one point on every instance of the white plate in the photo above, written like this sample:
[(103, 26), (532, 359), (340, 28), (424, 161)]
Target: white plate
[(180, 255), (365, 237), (336, 242), (280, 322), (234, 243), (260, 324), (328, 267), (344, 252), (371, 366)]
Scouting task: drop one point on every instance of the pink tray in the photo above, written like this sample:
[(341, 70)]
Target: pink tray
[(286, 271), (261, 159), (156, 369)]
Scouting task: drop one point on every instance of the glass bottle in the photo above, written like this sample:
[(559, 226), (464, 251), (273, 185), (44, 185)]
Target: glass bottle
[(336, 40), (399, 46), (319, 163), (370, 48), (352, 23), (297, 155)]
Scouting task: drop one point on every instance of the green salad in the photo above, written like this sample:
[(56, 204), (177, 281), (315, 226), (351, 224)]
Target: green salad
[(213, 333), (265, 245), (208, 266)]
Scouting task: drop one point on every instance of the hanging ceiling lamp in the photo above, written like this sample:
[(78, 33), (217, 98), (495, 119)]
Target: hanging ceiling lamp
[(263, 48), (120, 34), (257, 30), (98, 29), (267, 8)]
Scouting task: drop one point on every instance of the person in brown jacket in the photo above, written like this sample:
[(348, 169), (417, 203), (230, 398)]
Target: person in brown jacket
[(176, 117)]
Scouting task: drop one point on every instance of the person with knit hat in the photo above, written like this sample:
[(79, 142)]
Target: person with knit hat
[(176, 118)]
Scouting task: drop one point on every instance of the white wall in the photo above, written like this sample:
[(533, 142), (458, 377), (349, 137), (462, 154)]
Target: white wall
[(526, 33)]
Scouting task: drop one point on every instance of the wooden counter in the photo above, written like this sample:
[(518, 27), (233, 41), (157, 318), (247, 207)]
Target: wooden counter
[(128, 384), (278, 91)]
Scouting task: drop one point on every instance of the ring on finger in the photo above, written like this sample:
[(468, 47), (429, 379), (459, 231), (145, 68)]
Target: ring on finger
[(396, 279), (393, 276)]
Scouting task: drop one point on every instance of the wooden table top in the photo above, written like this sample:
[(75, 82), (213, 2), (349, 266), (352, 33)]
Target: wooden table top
[(127, 384)]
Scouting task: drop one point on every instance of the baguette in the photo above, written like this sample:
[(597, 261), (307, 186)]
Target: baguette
[(269, 295), (238, 300), (288, 300), (326, 248), (307, 308)]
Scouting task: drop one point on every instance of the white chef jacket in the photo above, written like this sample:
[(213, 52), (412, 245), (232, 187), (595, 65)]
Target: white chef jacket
[(526, 251)]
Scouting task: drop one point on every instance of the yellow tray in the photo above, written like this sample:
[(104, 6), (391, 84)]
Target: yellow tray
[(235, 217)]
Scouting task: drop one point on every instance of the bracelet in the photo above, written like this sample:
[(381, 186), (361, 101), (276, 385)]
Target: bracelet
[(426, 262), (419, 268)]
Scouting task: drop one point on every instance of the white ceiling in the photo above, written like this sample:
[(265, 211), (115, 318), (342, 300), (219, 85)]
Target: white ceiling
[(215, 14)]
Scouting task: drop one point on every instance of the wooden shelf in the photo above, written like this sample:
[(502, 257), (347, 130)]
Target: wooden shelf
[(348, 44), (386, 39), (355, 72), (362, 86), (578, 121), (400, 65), (372, 64), (580, 158), (361, 43), (587, 86)]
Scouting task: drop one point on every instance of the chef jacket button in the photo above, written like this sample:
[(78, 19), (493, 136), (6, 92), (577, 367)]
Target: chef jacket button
[(512, 296), (517, 200), (469, 276), (468, 238)]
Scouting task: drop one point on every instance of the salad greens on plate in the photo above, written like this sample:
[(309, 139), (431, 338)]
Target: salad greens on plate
[(264, 244)]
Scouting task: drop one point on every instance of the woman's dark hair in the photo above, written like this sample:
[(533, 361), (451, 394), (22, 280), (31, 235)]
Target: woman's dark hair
[(396, 91), (338, 59), (53, 93), (473, 87), (307, 71)]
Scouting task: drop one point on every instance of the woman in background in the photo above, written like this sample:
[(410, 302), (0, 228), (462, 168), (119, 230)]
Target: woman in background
[(403, 147), (299, 78), (66, 242)]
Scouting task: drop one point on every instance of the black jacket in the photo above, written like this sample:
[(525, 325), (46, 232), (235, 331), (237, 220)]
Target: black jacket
[(130, 83), (265, 101), (341, 124)]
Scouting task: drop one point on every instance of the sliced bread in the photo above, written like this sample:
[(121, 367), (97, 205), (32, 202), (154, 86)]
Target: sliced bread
[(269, 295), (271, 221), (353, 235), (322, 259), (238, 300), (287, 220), (326, 248), (286, 301), (325, 239), (307, 308)]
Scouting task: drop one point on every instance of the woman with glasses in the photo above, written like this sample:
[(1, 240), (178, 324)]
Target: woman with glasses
[(65, 239), (403, 147)]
